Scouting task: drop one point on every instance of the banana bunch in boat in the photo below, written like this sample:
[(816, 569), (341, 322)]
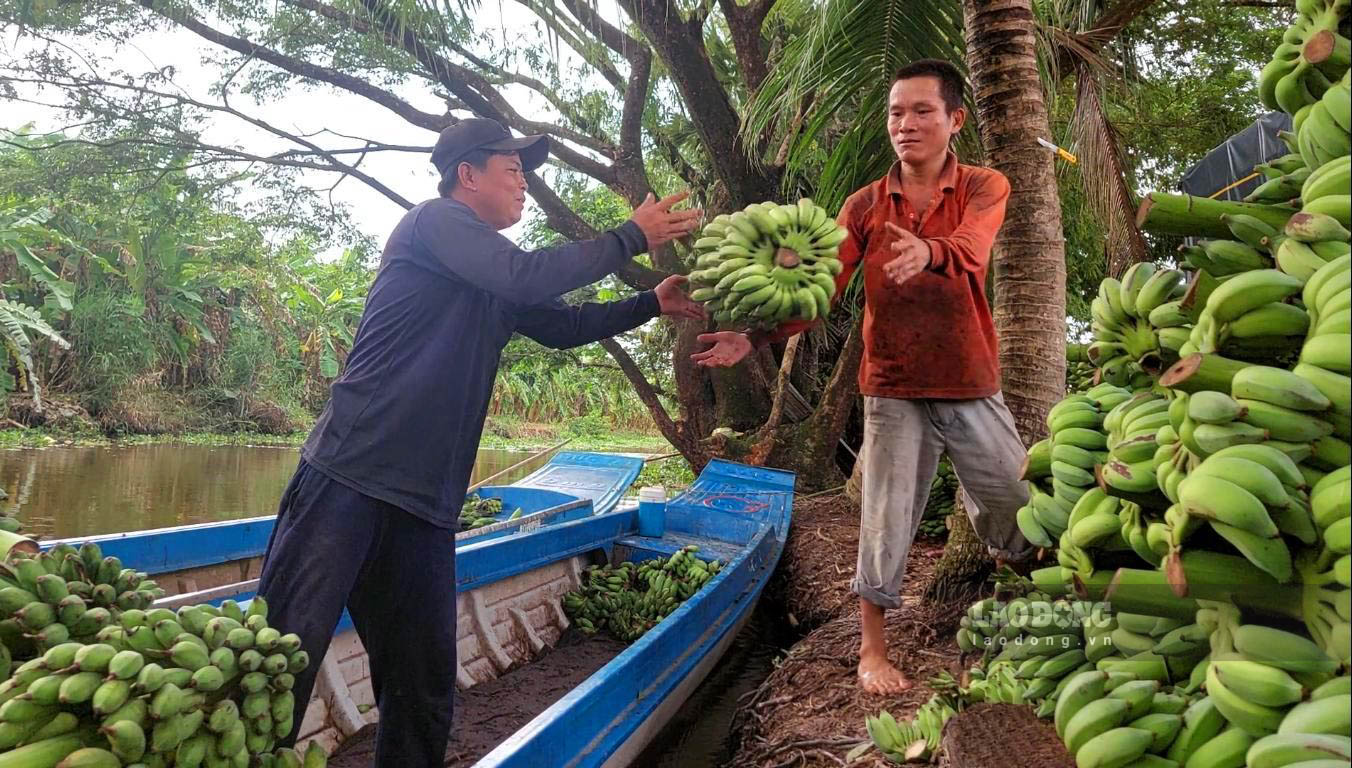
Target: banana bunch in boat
[(1128, 316), (766, 264), (478, 512), (628, 599), (200, 686), (64, 594)]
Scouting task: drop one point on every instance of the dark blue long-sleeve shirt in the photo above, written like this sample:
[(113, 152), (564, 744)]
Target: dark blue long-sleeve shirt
[(404, 419)]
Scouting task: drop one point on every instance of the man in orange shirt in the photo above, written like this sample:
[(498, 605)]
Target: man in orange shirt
[(930, 373)]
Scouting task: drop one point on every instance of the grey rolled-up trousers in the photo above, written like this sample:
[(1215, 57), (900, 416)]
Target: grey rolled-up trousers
[(903, 440)]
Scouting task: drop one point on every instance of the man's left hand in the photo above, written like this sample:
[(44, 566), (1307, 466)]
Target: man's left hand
[(910, 255), (674, 301)]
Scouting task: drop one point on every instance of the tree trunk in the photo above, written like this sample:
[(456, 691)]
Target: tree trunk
[(965, 564), (854, 488), (1028, 260), (1029, 256)]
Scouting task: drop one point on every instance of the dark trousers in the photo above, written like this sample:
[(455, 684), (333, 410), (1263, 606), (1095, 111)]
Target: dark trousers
[(334, 547)]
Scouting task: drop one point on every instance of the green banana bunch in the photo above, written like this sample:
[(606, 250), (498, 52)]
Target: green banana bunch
[(477, 512), (1079, 369), (768, 263), (1322, 133), (65, 594), (940, 501), (184, 708), (916, 739), (628, 599), (1309, 60), (1125, 340)]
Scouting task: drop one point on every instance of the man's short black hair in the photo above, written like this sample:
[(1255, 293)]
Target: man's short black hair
[(951, 84), (477, 158)]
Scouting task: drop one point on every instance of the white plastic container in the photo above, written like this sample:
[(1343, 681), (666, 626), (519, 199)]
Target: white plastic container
[(652, 511)]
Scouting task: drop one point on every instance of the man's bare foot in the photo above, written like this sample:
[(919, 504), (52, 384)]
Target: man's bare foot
[(878, 676)]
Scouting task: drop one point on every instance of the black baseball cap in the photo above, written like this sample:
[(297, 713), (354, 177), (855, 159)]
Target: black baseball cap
[(457, 141)]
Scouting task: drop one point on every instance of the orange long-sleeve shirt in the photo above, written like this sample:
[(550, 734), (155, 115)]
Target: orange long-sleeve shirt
[(933, 336)]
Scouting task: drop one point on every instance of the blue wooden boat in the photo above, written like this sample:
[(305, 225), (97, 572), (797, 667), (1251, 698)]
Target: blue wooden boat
[(509, 612), (572, 485)]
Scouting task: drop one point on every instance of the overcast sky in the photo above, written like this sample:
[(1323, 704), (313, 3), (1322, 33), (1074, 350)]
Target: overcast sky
[(306, 111)]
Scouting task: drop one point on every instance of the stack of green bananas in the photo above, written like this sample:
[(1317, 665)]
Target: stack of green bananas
[(64, 594), (9, 524), (628, 599), (1094, 523), (1326, 571), (1126, 341), (1252, 495), (1079, 369), (1313, 732), (1283, 177), (768, 263), (1060, 469), (940, 502), (478, 512), (1134, 429), (996, 684), (1324, 358), (1155, 648), (1322, 137), (1115, 719), (1257, 674), (1330, 500), (1247, 317), (1312, 56), (203, 686), (916, 739)]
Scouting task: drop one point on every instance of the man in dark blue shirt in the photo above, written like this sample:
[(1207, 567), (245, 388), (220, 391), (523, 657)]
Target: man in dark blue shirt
[(368, 521)]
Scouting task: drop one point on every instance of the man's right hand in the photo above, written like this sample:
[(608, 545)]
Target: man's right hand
[(660, 224), (729, 348)]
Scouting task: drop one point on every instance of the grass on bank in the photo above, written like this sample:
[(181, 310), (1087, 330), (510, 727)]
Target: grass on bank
[(586, 434)]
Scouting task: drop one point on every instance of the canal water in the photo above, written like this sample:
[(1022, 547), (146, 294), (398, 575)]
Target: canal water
[(83, 491)]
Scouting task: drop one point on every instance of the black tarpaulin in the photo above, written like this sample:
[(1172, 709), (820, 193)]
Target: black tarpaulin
[(1235, 158)]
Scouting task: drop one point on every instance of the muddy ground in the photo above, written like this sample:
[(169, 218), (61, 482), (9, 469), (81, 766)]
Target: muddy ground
[(487, 714), (810, 712)]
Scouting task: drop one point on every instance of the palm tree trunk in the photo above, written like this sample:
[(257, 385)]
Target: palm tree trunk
[(1029, 257)]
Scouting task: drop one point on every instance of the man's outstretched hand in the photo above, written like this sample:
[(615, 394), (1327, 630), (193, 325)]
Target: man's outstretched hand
[(660, 224), (729, 348), (674, 301), (910, 256)]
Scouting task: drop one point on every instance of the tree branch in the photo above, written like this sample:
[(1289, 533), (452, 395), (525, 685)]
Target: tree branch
[(417, 117), (680, 45), (477, 93), (1106, 27), (635, 100), (614, 39), (185, 140), (770, 429), (557, 21), (745, 22)]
